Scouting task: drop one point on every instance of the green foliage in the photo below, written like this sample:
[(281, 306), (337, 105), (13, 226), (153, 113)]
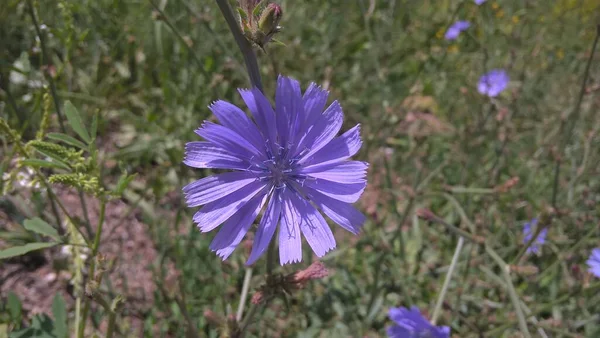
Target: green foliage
[(39, 226), (76, 122), (23, 249)]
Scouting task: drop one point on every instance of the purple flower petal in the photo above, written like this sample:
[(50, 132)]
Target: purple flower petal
[(479, 2), (266, 229), (288, 100), (290, 241), (410, 323), (229, 140), (528, 231), (235, 228), (455, 29), (263, 113), (212, 188), (325, 129), (594, 262), (217, 212), (339, 149), (343, 172), (344, 192), (313, 226), (314, 100), (235, 119), (493, 82), (206, 155), (344, 214)]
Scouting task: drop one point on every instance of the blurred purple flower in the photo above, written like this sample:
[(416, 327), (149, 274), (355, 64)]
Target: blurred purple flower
[(528, 231), (411, 324), (594, 262), (479, 2), (288, 159), (454, 30), (493, 82)]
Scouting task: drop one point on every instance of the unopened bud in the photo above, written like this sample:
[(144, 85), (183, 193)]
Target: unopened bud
[(269, 19), (316, 270)]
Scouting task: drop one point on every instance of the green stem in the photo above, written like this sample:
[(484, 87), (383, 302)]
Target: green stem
[(270, 258), (46, 60), (243, 44), (95, 245), (571, 120), (440, 301), (244, 296), (112, 318), (511, 290)]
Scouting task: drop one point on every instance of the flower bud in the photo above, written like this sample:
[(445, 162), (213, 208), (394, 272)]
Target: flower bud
[(269, 20)]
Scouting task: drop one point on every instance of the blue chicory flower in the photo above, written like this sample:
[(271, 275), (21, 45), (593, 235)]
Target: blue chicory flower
[(288, 159), (479, 2), (528, 231), (594, 262), (493, 82), (454, 30), (411, 324)]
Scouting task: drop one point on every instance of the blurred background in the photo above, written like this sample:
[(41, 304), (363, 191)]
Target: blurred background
[(140, 75)]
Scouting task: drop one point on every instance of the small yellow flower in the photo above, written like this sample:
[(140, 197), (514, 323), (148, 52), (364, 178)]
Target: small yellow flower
[(560, 54), (500, 13), (495, 5), (453, 49), (515, 19)]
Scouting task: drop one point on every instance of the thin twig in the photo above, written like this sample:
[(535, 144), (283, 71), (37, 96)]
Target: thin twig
[(571, 120), (511, 290), (440, 301), (46, 60), (244, 296)]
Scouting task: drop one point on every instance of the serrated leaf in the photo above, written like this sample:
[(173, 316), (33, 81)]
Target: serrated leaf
[(13, 304), (70, 140), (23, 249), (35, 163), (39, 226), (59, 311), (75, 121)]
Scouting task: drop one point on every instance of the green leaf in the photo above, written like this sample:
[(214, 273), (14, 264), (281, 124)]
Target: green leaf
[(13, 304), (59, 311), (35, 163), (75, 121), (23, 249), (94, 128), (39, 226), (70, 140), (124, 181)]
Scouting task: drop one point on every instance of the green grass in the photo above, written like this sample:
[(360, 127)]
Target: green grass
[(151, 76)]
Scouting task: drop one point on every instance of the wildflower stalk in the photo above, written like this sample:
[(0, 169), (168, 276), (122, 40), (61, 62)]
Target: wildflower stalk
[(243, 44), (95, 245), (511, 290), (46, 60), (571, 120), (244, 296), (55, 99), (440, 301)]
